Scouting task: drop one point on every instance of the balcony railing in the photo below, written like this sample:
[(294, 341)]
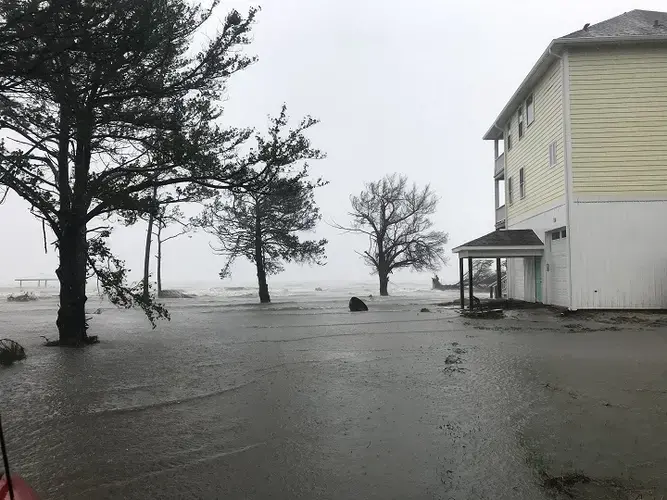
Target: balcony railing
[(501, 214), (499, 169)]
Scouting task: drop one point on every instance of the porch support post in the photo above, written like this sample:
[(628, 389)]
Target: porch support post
[(461, 285), (470, 281), (499, 290)]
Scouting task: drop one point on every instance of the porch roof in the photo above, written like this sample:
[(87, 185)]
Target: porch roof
[(503, 243)]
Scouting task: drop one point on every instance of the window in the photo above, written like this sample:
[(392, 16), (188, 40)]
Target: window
[(522, 184), (509, 140), (519, 116), (510, 194), (530, 110), (560, 234), (553, 150)]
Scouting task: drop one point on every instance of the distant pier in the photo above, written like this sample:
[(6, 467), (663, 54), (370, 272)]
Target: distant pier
[(38, 280)]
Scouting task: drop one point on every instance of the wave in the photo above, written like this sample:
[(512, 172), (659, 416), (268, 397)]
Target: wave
[(316, 294)]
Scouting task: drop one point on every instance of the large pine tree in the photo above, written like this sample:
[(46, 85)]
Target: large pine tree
[(266, 225), (99, 102)]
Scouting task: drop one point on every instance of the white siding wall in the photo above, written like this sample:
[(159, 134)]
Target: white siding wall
[(522, 283), (619, 255)]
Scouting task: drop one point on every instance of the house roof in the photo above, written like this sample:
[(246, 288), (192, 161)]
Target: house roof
[(636, 26), (633, 23), (505, 238)]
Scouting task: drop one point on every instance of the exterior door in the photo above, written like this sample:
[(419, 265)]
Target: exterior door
[(538, 279), (557, 269)]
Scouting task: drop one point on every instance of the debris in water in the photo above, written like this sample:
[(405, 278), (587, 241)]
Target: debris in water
[(24, 297), (452, 360), (10, 351), (449, 370), (562, 484)]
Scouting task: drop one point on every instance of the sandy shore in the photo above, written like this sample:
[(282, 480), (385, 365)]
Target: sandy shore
[(303, 402)]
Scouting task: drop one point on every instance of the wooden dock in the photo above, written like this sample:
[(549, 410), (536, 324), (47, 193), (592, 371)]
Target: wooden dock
[(38, 280)]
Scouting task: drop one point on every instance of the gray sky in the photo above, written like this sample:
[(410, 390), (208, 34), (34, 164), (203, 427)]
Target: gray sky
[(399, 86)]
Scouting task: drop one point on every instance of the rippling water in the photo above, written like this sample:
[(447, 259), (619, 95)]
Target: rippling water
[(295, 400)]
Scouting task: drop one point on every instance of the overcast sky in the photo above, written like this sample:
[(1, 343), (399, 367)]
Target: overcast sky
[(399, 86)]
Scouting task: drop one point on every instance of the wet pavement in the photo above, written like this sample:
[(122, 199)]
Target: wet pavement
[(302, 403)]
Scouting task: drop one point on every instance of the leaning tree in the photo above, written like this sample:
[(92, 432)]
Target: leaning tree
[(396, 219), (265, 224), (101, 101)]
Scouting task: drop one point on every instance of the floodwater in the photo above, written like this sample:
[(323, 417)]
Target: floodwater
[(289, 402)]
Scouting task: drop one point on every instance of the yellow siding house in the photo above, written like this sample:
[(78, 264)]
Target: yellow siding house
[(584, 167)]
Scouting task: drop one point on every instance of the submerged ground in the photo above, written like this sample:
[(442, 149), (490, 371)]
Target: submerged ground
[(291, 401)]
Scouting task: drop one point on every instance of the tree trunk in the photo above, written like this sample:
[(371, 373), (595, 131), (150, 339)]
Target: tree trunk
[(147, 250), (73, 255), (159, 259), (383, 267), (264, 296), (384, 284), (72, 237), (147, 256)]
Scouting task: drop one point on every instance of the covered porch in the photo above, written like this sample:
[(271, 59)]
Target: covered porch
[(499, 244)]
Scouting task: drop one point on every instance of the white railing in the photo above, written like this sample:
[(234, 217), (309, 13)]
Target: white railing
[(499, 168), (501, 215)]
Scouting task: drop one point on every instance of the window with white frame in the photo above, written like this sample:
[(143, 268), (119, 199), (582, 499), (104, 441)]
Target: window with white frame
[(519, 116), (522, 183), (559, 234), (530, 109), (553, 154)]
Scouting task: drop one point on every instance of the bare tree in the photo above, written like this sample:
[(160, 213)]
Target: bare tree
[(484, 272), (396, 219)]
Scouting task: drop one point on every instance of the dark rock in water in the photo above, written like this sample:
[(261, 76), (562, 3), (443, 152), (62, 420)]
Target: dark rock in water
[(10, 351), (356, 304), (425, 310), (318, 289)]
